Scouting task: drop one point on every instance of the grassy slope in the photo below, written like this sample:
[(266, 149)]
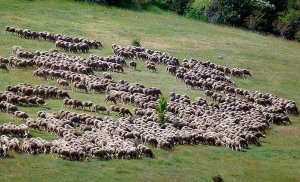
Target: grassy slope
[(274, 63)]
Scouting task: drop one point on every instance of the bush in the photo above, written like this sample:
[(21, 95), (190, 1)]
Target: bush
[(154, 9), (161, 108), (119, 3), (228, 11), (255, 21), (294, 4), (266, 13), (254, 14), (197, 10), (179, 6), (136, 42), (288, 24)]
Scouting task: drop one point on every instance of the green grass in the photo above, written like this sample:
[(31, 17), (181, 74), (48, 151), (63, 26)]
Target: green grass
[(274, 63)]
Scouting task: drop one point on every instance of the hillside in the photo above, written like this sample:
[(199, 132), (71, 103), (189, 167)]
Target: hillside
[(273, 62)]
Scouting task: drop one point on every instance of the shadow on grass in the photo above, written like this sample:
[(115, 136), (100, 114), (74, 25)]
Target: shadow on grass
[(7, 157)]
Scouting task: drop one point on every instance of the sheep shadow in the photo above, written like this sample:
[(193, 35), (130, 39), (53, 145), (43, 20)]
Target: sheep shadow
[(8, 157)]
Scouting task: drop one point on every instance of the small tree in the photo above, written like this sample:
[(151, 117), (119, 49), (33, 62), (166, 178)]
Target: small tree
[(161, 109), (136, 42)]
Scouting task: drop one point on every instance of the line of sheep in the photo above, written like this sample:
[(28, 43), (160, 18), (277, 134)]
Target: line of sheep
[(261, 99), (114, 63), (136, 94), (68, 43), (30, 145), (55, 61), (13, 130), (145, 54), (85, 105), (92, 107), (83, 82), (60, 61), (152, 57), (42, 91), (21, 100)]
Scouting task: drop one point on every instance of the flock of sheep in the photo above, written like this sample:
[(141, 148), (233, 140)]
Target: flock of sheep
[(236, 118)]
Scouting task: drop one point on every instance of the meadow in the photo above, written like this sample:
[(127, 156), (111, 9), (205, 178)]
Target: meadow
[(273, 62)]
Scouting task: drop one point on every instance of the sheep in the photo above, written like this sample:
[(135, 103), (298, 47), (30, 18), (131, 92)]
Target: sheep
[(97, 108), (4, 67), (133, 64), (111, 99), (3, 150), (107, 75), (62, 82), (124, 111), (22, 115), (151, 67)]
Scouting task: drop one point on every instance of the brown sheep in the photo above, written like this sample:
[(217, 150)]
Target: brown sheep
[(111, 99), (4, 67), (151, 67)]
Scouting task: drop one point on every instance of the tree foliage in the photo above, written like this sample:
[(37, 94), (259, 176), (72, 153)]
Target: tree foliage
[(161, 108)]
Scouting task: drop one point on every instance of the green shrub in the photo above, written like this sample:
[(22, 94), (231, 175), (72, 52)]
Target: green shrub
[(179, 6), (294, 4), (161, 108), (136, 42), (228, 11), (154, 9), (142, 4), (197, 10), (288, 24), (255, 21)]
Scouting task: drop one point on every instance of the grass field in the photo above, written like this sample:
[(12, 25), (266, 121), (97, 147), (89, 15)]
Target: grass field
[(274, 63)]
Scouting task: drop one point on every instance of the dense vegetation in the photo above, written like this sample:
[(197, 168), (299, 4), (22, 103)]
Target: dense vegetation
[(273, 62), (279, 17)]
